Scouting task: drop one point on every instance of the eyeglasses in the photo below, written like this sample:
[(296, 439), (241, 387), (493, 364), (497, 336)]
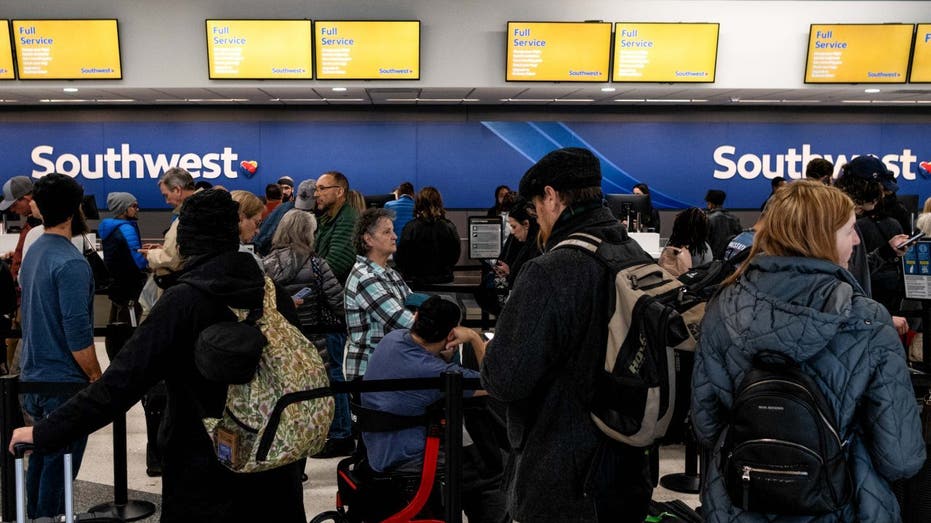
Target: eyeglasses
[(321, 188)]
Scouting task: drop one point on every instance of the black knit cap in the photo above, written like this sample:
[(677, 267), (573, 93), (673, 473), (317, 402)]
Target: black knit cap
[(568, 168), (209, 224)]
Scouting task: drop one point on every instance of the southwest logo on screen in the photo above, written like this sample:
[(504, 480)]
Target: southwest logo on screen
[(122, 163), (925, 169)]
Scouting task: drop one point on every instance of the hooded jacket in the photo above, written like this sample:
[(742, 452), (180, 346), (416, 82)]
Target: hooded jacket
[(548, 347), (195, 486), (294, 271), (127, 266), (816, 313)]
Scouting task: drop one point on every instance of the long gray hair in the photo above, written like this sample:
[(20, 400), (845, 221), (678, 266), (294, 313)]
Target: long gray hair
[(296, 230)]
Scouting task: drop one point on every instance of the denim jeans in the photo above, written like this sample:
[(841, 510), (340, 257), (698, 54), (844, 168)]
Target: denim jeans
[(45, 484), (341, 427)]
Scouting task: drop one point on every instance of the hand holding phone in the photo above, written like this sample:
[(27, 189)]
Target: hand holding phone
[(303, 293), (911, 240)]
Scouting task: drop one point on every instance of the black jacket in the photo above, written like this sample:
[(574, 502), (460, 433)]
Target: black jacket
[(195, 487), (722, 226), (427, 251), (548, 347), (515, 253)]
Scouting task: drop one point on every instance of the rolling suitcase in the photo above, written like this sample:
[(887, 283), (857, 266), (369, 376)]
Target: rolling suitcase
[(20, 451)]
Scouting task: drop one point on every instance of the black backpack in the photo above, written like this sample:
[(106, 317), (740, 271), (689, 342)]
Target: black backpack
[(783, 453)]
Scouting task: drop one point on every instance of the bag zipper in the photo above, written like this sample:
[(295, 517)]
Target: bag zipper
[(745, 479)]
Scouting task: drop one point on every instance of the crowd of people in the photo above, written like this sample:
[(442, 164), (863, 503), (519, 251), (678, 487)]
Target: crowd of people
[(343, 274)]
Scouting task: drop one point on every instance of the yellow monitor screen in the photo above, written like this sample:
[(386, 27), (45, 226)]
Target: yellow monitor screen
[(259, 49), (921, 56), (67, 49), (367, 50), (663, 52), (558, 51), (858, 53), (6, 52)]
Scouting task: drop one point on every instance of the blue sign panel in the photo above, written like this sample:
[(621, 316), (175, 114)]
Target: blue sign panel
[(464, 160)]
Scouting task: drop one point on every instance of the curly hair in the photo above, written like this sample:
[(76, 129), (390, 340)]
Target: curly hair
[(366, 224)]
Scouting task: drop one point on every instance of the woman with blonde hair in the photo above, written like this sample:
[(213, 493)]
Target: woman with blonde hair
[(250, 218), (924, 219), (794, 296)]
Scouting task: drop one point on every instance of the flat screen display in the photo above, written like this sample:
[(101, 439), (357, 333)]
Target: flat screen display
[(921, 55), (558, 51), (6, 52), (259, 49), (665, 52), (367, 50), (67, 49), (858, 53)]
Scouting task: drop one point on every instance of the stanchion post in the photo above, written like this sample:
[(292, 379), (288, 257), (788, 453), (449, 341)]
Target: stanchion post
[(9, 402), (122, 507), (453, 385)]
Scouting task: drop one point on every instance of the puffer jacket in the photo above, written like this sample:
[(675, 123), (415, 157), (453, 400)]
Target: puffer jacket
[(322, 310), (815, 312)]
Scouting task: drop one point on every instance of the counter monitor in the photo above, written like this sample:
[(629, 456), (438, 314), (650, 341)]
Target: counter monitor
[(858, 53), (259, 49), (67, 49), (558, 51), (665, 52), (367, 50)]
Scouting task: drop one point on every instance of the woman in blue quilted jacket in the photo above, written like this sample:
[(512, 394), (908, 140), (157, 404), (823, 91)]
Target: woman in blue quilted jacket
[(795, 296)]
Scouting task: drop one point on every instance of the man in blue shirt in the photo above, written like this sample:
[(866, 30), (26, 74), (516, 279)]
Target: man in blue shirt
[(427, 351), (402, 206), (58, 330)]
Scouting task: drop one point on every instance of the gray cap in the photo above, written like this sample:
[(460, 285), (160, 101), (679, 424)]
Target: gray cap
[(304, 197), (119, 202), (14, 189)]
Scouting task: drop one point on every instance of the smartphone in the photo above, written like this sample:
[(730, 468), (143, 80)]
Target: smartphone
[(910, 241), (303, 293)]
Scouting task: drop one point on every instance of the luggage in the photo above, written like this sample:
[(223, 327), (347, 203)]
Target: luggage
[(912, 493), (20, 472)]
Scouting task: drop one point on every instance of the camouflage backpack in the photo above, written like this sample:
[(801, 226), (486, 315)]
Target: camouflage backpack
[(249, 438)]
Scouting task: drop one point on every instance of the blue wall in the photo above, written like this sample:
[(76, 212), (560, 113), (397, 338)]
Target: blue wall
[(464, 160)]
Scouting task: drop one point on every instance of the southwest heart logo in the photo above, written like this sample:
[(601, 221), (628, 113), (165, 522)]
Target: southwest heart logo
[(248, 168), (926, 168)]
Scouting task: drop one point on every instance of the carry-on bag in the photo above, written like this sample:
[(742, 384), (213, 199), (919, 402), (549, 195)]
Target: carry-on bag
[(20, 450)]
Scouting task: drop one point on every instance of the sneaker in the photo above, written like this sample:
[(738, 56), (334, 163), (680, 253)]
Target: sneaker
[(334, 448)]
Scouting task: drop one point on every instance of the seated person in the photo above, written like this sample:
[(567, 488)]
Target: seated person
[(426, 351)]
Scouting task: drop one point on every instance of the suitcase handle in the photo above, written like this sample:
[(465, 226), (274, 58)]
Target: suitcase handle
[(20, 449)]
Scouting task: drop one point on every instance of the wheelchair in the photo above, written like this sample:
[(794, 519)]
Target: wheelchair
[(366, 496)]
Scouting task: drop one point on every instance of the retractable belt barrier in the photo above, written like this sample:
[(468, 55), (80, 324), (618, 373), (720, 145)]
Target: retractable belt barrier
[(451, 383)]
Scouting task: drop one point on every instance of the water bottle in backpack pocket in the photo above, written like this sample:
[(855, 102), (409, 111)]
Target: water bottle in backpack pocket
[(783, 453)]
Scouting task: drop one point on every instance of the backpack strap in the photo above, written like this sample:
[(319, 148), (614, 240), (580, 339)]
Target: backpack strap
[(582, 241)]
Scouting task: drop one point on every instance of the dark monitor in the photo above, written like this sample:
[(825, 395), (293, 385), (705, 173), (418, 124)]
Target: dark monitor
[(89, 206), (377, 200), (624, 205)]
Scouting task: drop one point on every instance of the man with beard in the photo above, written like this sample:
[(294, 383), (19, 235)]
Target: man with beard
[(58, 334)]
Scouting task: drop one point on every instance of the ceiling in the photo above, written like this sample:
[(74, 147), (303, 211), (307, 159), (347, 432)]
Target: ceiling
[(517, 94)]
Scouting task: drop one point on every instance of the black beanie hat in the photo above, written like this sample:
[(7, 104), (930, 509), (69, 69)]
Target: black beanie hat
[(568, 168), (209, 224), (435, 318)]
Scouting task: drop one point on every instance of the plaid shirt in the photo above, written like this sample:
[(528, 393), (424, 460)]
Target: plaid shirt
[(374, 307)]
